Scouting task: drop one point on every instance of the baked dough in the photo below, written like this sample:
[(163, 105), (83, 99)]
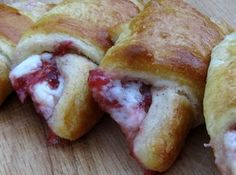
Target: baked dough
[(68, 41), (160, 61), (32, 8), (220, 103), (12, 24)]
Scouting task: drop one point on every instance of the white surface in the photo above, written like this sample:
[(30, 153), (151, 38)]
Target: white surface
[(46, 98), (129, 115), (29, 65)]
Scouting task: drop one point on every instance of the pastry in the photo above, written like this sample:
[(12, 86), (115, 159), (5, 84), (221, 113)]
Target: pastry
[(220, 104), (152, 81), (55, 57), (32, 8), (12, 25)]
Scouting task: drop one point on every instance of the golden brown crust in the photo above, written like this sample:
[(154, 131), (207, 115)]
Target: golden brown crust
[(79, 124), (173, 134), (84, 23), (12, 23), (179, 65), (12, 26), (167, 45), (157, 145), (188, 35), (90, 20), (76, 112), (74, 27)]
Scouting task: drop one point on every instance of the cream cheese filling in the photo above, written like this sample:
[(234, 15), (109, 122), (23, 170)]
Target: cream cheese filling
[(43, 96)]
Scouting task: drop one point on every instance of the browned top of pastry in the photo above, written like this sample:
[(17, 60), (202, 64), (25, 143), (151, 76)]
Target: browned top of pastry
[(87, 19), (12, 23), (169, 39)]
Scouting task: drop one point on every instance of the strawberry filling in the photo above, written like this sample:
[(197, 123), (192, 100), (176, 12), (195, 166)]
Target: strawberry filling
[(47, 72), (127, 101), (38, 76)]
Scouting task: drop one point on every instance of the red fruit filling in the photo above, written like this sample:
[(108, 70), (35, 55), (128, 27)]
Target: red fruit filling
[(127, 101), (46, 72)]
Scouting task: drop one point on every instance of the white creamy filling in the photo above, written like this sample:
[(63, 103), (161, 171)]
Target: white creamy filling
[(46, 56), (29, 65), (129, 115), (46, 97), (43, 96), (230, 148)]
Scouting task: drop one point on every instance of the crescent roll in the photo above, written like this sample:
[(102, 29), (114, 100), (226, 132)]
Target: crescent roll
[(58, 52), (32, 8), (12, 25), (220, 104), (152, 81)]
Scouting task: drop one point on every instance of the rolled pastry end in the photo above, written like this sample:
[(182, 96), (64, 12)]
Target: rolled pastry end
[(155, 120), (57, 84), (164, 129)]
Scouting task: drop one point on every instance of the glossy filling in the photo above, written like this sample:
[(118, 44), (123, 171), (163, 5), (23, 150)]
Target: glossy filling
[(39, 77), (127, 101), (230, 149)]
